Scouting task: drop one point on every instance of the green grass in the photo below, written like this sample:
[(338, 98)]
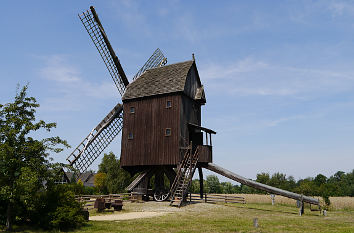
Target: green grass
[(234, 218)]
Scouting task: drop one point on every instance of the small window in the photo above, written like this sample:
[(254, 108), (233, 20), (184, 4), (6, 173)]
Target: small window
[(168, 104), (168, 132), (132, 109), (130, 135)]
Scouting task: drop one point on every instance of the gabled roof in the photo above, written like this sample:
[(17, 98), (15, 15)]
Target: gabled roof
[(160, 80)]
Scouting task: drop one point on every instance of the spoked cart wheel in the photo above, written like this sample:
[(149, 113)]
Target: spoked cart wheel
[(161, 195)]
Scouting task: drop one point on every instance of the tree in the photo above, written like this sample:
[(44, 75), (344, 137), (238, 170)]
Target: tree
[(24, 165), (213, 184), (263, 178), (100, 181), (278, 180), (117, 178), (195, 186), (320, 179), (227, 187)]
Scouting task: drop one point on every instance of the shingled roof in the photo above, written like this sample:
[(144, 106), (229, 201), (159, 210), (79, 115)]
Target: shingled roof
[(160, 80)]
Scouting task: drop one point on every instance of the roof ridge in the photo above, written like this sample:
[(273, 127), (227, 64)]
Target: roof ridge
[(169, 65), (166, 79)]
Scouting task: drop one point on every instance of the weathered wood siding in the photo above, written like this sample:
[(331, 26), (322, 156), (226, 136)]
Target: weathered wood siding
[(190, 113), (149, 145), (205, 154), (192, 83)]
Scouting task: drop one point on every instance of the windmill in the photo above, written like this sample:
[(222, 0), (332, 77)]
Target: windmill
[(104, 133), (160, 121)]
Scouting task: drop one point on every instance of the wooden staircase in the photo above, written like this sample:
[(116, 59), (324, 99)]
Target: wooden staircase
[(184, 177)]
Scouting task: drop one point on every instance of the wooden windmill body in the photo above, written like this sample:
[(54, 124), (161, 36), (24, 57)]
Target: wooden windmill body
[(162, 113), (162, 118)]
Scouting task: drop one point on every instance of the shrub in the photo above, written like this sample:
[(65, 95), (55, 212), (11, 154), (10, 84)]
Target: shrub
[(56, 208), (68, 212)]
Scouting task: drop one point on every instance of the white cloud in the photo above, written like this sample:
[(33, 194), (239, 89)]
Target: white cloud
[(340, 8), (71, 91), (56, 71), (276, 122), (132, 15), (248, 77)]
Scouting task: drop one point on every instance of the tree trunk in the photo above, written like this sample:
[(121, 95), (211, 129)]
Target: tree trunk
[(9, 217)]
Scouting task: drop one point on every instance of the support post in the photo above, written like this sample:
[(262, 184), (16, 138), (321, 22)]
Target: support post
[(201, 181), (301, 209), (272, 196)]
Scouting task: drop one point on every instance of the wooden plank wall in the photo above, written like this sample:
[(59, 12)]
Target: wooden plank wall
[(149, 145), (190, 113), (205, 154)]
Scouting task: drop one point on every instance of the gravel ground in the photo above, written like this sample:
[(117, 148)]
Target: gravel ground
[(165, 207), (150, 209)]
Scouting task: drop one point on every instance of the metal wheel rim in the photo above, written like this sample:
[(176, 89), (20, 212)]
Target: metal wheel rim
[(161, 195)]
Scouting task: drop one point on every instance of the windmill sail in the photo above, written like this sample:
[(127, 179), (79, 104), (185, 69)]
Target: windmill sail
[(156, 59), (98, 140), (94, 28)]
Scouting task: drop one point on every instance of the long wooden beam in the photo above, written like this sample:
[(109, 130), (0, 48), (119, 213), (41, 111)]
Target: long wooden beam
[(224, 172), (110, 49)]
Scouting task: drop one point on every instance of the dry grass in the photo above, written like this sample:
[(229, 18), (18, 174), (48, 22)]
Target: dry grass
[(337, 203), (264, 199)]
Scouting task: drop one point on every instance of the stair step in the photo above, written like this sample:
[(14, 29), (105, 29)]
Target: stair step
[(183, 178)]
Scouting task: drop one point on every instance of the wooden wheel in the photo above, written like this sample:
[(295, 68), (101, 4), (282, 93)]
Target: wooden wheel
[(161, 195)]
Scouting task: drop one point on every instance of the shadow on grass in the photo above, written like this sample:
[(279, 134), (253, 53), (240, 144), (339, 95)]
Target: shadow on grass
[(264, 210), (244, 207)]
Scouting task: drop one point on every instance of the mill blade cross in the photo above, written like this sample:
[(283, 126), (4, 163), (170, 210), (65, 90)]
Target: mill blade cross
[(157, 59), (95, 29), (98, 140)]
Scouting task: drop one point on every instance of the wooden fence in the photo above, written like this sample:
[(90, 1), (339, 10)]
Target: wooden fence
[(214, 198), (89, 200)]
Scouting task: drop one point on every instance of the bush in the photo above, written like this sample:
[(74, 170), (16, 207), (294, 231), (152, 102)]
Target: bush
[(68, 212), (56, 208)]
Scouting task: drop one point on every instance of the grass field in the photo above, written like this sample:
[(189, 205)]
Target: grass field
[(233, 218), (203, 217)]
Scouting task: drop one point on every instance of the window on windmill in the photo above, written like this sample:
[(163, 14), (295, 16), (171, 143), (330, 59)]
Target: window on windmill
[(168, 132), (132, 109), (130, 135), (168, 104)]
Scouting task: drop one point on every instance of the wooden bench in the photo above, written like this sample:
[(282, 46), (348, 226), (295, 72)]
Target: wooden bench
[(117, 205)]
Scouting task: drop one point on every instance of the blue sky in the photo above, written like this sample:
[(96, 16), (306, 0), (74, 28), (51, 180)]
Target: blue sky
[(279, 75)]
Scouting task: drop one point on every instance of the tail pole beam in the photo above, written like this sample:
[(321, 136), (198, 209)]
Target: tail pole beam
[(224, 172)]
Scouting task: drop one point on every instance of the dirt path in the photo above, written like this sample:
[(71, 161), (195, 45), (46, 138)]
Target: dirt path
[(126, 216), (152, 209)]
